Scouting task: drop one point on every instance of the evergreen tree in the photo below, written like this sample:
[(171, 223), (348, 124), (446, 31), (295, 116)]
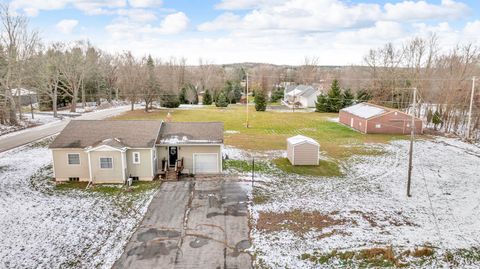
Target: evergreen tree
[(221, 100), (277, 94), (363, 96), (170, 100), (436, 119), (260, 101), (182, 97), (347, 98), (207, 98), (321, 104), (334, 97)]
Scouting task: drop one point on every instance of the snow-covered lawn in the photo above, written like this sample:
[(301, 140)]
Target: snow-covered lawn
[(45, 227), (26, 122), (368, 208)]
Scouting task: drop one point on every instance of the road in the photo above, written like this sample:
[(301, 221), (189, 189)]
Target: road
[(192, 224), (16, 139)]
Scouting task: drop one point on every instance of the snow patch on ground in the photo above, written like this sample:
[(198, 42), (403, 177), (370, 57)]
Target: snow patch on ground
[(46, 228), (444, 210)]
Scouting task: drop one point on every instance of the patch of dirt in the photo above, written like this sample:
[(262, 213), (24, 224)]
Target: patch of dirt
[(296, 221)]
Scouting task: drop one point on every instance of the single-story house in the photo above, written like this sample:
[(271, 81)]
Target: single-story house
[(300, 95), (111, 151), (374, 119), (302, 150)]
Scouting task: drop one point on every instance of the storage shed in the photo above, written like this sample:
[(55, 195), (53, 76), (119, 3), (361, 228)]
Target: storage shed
[(374, 119), (302, 150)]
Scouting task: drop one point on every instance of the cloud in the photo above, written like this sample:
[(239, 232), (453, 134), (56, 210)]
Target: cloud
[(325, 15), (224, 21), (66, 26), (139, 15), (420, 10), (90, 7), (144, 3), (174, 23), (130, 29), (244, 4)]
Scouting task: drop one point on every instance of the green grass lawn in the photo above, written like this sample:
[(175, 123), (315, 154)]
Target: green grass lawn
[(269, 130), (109, 189), (323, 169)]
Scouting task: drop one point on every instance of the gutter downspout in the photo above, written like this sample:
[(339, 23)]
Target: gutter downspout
[(89, 170)]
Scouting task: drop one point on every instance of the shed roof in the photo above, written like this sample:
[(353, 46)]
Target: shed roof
[(191, 133), (117, 133), (366, 110), (300, 139)]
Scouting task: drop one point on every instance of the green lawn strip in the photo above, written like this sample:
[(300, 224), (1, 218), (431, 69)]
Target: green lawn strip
[(244, 166), (324, 169), (109, 189), (269, 130)]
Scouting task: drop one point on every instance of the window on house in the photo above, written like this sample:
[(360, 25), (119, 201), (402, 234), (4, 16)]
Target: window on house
[(378, 125), (136, 157), (74, 158), (73, 179), (106, 163)]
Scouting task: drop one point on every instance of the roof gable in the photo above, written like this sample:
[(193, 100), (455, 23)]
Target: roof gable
[(117, 134), (300, 139)]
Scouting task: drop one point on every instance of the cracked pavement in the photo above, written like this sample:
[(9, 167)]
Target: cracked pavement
[(193, 224)]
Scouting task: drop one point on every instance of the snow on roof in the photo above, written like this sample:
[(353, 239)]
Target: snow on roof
[(298, 139), (21, 92), (364, 110), (294, 92)]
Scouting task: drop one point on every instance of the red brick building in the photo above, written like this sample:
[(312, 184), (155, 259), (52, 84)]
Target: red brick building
[(374, 119)]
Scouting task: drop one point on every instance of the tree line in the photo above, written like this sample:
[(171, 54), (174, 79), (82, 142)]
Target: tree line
[(71, 75)]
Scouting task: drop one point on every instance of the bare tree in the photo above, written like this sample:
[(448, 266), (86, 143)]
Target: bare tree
[(17, 45)]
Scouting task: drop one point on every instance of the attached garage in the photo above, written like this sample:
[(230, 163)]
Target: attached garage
[(206, 163), (302, 150)]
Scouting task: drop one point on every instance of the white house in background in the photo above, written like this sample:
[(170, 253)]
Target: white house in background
[(300, 95), (302, 150)]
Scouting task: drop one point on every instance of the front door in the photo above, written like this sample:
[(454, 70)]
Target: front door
[(172, 156)]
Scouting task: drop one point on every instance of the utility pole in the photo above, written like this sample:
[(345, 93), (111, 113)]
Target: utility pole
[(246, 95), (412, 137), (470, 109)]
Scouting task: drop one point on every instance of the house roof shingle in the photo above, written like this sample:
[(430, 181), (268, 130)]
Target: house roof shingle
[(85, 133), (300, 90), (190, 133)]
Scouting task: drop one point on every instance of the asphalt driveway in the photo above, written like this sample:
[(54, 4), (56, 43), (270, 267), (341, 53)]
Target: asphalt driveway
[(192, 224)]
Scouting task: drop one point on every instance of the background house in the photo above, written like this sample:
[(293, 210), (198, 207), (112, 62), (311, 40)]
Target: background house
[(370, 118), (302, 95)]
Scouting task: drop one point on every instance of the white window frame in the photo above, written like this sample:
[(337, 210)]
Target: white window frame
[(133, 157), (100, 162), (68, 159), (378, 125)]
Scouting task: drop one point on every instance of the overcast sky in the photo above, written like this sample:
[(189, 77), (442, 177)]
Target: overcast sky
[(338, 32)]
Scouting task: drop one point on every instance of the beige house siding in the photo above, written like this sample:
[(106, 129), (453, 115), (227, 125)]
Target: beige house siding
[(144, 170), (186, 152), (62, 170), (305, 154), (100, 175)]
